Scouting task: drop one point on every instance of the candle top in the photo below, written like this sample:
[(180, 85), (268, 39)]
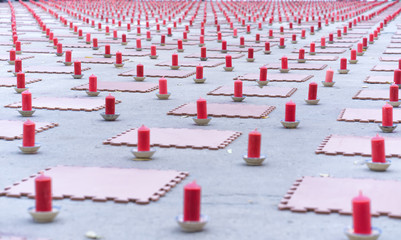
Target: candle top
[(92, 76), (361, 198), (192, 186), (42, 178), (143, 128), (290, 103), (377, 138), (26, 92), (28, 122), (110, 96), (387, 106)]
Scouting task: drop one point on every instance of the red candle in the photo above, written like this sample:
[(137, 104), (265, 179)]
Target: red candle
[(163, 86), (201, 39), (399, 64), (281, 41), (270, 33), (18, 65), (331, 37), (192, 202), (26, 101), (110, 105), (242, 41), (174, 59), (378, 147), (284, 62), (387, 115), (59, 48), (343, 64), (12, 55), (294, 37), (303, 33), (397, 76), (119, 58), (224, 45), (203, 52), (301, 53), (43, 193), (179, 43), (21, 80), (353, 54), (290, 108), (92, 83), (77, 68), (68, 54), (148, 35), (219, 36), (124, 38), (28, 134), (322, 42), (365, 42), (80, 32), (199, 72), (371, 37), (18, 46), (162, 39), (94, 42), (107, 49), (312, 94), (229, 62), (361, 213), (115, 34), (263, 73), (393, 93), (139, 70), (312, 29), (153, 50), (345, 29), (360, 47), (312, 47), (201, 108), (88, 37), (329, 75), (55, 41), (143, 139), (338, 33), (254, 142), (267, 46), (250, 52), (237, 88)]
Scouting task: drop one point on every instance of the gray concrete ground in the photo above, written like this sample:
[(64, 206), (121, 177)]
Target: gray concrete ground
[(241, 201)]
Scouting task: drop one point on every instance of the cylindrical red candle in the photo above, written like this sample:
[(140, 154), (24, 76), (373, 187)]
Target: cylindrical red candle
[(59, 48), (179, 44), (119, 58), (254, 143), (143, 139), (88, 37), (301, 53), (329, 75), (312, 94), (284, 62), (174, 59), (361, 213), (192, 202), (387, 115), (393, 93), (331, 37), (323, 42), (360, 47), (290, 109), (43, 193), (107, 49), (153, 50), (21, 80), (303, 33), (338, 33), (371, 39), (163, 86), (26, 101), (18, 65), (397, 76), (201, 107), (68, 54), (28, 134), (17, 46), (77, 68), (12, 55), (229, 62), (378, 149), (203, 52), (92, 83), (365, 42), (124, 38), (242, 41), (199, 72), (343, 63), (224, 45), (281, 41), (162, 39), (250, 52), (237, 88), (353, 54), (312, 47), (110, 104), (267, 46), (94, 42), (263, 73)]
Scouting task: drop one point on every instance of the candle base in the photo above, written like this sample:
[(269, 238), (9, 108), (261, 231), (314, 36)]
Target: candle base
[(115, 38), (339, 38), (395, 104), (168, 35), (54, 47), (204, 58), (175, 67), (20, 90), (143, 155), (15, 73), (223, 51), (284, 70), (185, 40), (201, 45), (238, 99), (250, 59), (93, 94), (248, 32), (95, 48), (228, 69), (154, 56), (26, 113), (107, 34), (344, 33), (267, 52), (192, 226), (138, 49), (60, 54), (281, 33), (290, 124), (371, 42), (139, 79), (343, 71), (148, 39), (271, 37), (124, 43), (257, 41), (252, 161), (180, 50), (219, 41), (201, 121), (353, 61), (281, 46), (355, 236), (294, 42), (44, 217), (303, 37), (376, 38), (200, 80), (88, 42), (323, 47), (162, 44), (262, 83), (80, 37), (29, 150), (68, 63), (330, 42), (110, 117), (301, 60), (359, 53), (118, 65), (312, 33), (76, 76), (312, 53), (163, 96), (328, 84), (107, 55), (235, 36), (11, 62), (312, 102), (387, 129)]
